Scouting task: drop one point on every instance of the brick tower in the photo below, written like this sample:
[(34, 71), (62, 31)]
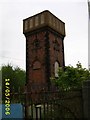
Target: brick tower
[(44, 34)]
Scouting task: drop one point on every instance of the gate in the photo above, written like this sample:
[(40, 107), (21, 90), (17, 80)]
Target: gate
[(52, 106), (50, 111)]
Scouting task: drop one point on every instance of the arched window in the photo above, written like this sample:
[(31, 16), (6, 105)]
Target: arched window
[(56, 68), (36, 65)]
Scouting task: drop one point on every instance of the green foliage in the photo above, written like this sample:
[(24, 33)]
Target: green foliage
[(16, 75), (70, 77)]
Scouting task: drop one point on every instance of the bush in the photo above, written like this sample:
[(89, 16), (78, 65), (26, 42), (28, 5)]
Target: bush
[(70, 77)]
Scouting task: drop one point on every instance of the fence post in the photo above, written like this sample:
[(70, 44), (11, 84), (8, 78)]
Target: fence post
[(86, 99), (26, 104), (38, 112)]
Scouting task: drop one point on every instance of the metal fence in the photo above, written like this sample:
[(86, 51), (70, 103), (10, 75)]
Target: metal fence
[(50, 105)]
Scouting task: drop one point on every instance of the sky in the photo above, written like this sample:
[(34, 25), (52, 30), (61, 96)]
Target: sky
[(13, 43)]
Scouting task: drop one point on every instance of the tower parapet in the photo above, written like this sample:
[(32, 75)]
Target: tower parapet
[(40, 20)]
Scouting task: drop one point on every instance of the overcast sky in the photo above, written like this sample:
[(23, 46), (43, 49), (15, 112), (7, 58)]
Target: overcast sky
[(13, 42)]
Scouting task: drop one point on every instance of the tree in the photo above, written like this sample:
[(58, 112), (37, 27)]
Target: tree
[(16, 75), (70, 77)]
